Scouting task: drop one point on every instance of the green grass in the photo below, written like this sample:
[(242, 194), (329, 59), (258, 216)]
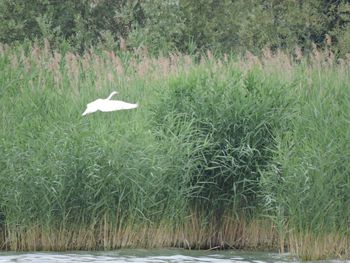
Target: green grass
[(308, 184), (211, 142)]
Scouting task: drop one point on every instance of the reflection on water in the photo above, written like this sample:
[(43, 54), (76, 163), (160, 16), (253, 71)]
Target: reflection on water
[(142, 255)]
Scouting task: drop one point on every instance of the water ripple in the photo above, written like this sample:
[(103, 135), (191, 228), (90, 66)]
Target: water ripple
[(145, 256)]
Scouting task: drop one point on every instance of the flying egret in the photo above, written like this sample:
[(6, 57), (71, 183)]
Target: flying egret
[(107, 105)]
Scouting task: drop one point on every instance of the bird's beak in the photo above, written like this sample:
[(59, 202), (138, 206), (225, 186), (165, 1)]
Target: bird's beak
[(85, 112)]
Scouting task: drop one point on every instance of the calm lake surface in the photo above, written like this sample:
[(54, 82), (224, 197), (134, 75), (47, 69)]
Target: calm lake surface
[(147, 255)]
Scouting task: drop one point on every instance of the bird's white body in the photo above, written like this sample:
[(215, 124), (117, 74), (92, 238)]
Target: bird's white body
[(107, 105)]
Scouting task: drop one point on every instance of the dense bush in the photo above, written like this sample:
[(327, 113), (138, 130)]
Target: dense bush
[(234, 118)]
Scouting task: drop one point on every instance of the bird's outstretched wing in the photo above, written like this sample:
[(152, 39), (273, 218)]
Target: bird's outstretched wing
[(107, 105), (114, 105)]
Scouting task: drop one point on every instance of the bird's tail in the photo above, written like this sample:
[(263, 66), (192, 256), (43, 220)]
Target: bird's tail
[(85, 112)]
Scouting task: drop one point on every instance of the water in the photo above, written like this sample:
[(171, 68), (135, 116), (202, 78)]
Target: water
[(150, 256)]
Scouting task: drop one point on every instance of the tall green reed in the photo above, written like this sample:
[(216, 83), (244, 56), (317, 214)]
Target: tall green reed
[(211, 139), (307, 186), (234, 115)]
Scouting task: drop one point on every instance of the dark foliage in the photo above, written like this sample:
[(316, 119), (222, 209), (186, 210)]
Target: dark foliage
[(188, 26)]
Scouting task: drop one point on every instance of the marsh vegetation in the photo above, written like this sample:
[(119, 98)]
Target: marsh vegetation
[(223, 151)]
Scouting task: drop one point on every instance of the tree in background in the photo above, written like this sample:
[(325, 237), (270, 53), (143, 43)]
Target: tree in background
[(183, 25)]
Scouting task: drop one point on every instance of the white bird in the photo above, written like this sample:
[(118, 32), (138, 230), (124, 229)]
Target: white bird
[(107, 105)]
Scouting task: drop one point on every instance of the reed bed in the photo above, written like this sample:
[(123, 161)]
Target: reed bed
[(223, 152), (192, 234)]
